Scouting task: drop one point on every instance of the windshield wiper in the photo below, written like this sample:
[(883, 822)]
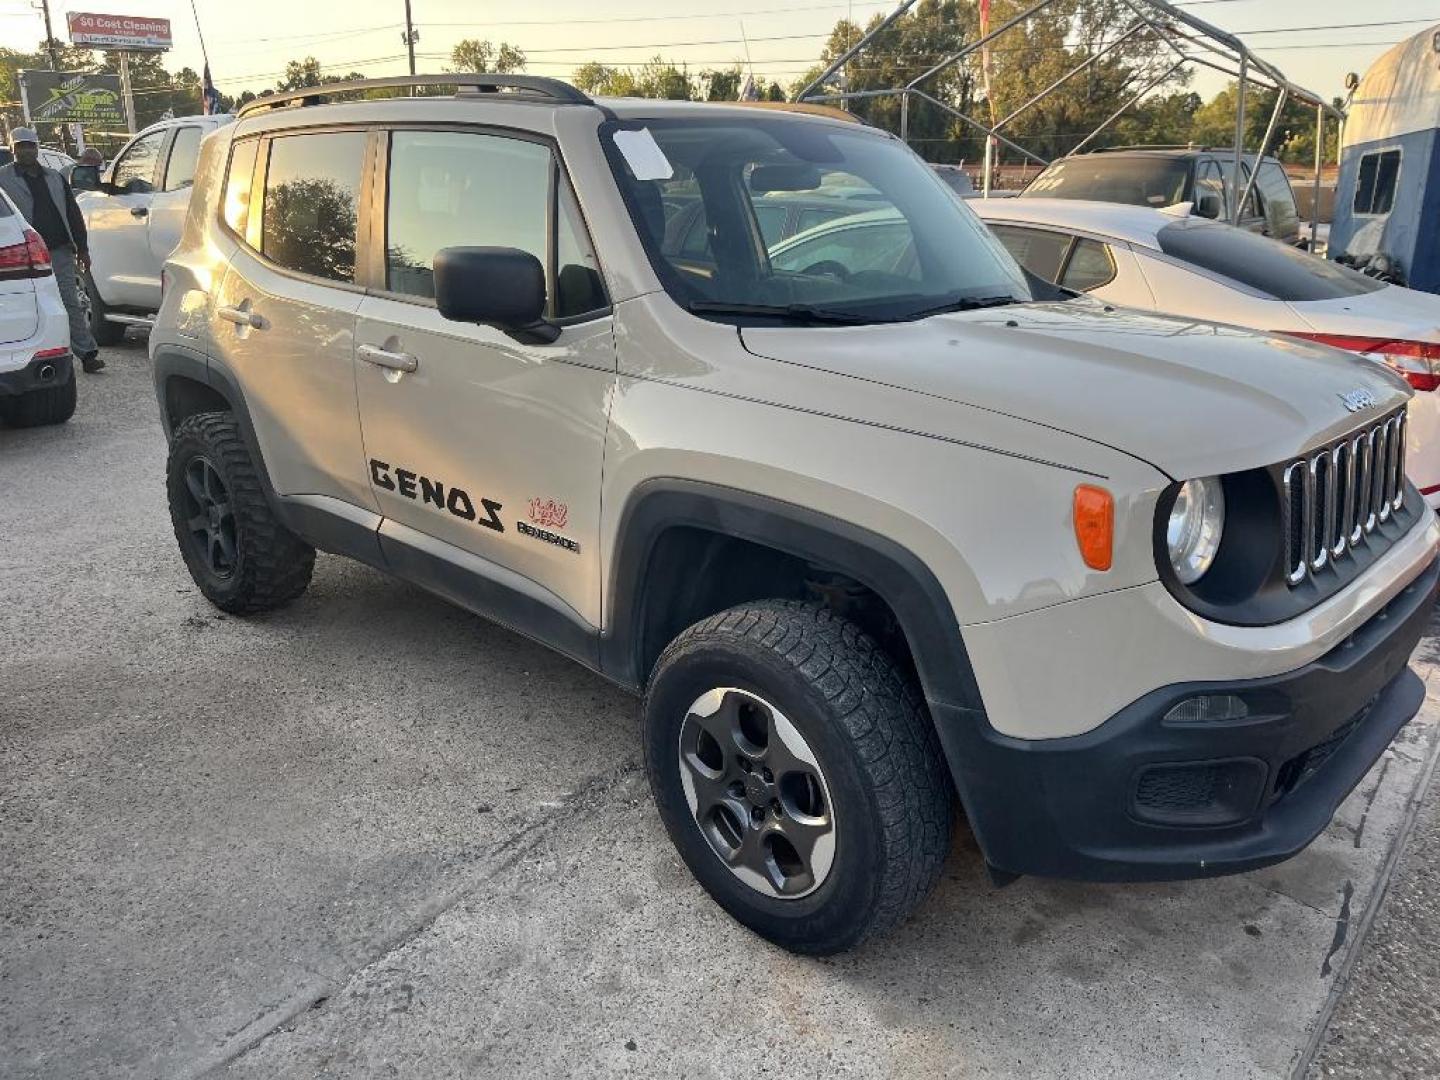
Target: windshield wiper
[(968, 303), (794, 312)]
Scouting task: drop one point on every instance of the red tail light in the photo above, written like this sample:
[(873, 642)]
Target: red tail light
[(31, 258), (1417, 361)]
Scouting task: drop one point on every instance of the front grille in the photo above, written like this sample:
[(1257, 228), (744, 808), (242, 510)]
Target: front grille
[(1209, 793), (1335, 497)]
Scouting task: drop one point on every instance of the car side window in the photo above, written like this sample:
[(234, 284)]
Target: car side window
[(308, 212), (238, 180), (450, 188), (184, 154), (1280, 211), (1210, 182), (1091, 265), (135, 171), (1037, 250)]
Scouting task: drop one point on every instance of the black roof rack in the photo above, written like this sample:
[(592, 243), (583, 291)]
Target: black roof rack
[(530, 87)]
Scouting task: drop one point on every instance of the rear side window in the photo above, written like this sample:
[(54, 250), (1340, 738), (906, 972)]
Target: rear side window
[(451, 189), (235, 206), (1037, 250), (1264, 265), (1091, 265), (184, 153), (135, 171), (308, 217), (1280, 213), (1375, 192)]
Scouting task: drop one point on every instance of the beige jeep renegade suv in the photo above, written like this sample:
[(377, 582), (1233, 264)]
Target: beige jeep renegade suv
[(881, 527)]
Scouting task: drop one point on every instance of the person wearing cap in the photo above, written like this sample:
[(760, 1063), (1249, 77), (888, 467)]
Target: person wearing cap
[(47, 202)]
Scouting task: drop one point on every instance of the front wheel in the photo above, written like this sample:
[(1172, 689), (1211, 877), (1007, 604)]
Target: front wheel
[(238, 552), (798, 774), (102, 329)]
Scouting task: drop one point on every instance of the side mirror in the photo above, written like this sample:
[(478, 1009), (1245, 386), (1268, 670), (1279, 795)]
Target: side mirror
[(497, 286), (1208, 206), (85, 178)]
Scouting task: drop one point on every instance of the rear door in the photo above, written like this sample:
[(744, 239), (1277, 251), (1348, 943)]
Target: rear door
[(284, 316), (118, 223), (18, 314), (171, 201), (486, 452)]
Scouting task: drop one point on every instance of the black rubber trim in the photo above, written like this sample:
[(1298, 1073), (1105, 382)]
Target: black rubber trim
[(875, 561), (24, 380), (1065, 807)]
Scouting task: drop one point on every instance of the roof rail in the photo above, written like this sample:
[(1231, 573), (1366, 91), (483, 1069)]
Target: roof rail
[(466, 85)]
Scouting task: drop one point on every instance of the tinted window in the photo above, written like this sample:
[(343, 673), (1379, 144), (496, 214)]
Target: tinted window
[(579, 288), (135, 171), (1375, 192), (1280, 213), (312, 187), (1091, 265), (235, 206), (1037, 250), (1137, 180), (808, 219), (873, 243), (450, 189), (6, 157), (771, 220), (1209, 183), (1266, 265), (184, 153)]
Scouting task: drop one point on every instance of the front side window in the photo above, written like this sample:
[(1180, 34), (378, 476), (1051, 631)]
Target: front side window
[(1038, 250), (135, 171), (889, 239), (1091, 265), (1379, 173), (238, 180), (184, 153), (1212, 194), (1140, 180), (1281, 215), (308, 216), (1267, 266), (453, 189)]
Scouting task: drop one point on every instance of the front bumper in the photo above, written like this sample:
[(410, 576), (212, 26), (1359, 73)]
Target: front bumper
[(22, 380), (1143, 797)]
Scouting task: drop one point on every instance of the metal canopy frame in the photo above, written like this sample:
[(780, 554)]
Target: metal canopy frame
[(1193, 41)]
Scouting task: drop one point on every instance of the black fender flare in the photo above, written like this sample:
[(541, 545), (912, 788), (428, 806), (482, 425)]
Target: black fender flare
[(879, 563)]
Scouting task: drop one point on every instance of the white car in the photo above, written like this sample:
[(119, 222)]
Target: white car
[(134, 220), (37, 373), (1168, 261)]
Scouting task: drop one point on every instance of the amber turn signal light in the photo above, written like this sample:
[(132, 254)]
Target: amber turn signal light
[(1094, 514)]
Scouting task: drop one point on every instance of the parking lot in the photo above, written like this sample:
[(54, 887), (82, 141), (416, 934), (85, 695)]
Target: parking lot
[(372, 835)]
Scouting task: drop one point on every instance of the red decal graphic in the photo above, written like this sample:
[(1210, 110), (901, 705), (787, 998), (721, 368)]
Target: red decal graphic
[(548, 513)]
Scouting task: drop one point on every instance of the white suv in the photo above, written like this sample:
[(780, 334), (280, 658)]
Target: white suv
[(134, 220), (37, 372), (877, 532)]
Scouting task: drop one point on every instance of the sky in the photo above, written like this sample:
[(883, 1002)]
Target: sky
[(249, 41)]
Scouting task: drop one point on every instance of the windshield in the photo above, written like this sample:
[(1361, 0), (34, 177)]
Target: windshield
[(1139, 181), (1263, 264), (798, 219)]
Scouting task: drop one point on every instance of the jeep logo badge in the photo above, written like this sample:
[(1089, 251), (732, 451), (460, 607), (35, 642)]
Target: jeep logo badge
[(1359, 399)]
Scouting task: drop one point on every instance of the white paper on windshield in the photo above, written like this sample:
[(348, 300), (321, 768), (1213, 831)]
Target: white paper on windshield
[(643, 154)]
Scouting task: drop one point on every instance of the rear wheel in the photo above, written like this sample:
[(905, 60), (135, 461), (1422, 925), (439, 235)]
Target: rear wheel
[(38, 408), (798, 774), (104, 331), (238, 552)]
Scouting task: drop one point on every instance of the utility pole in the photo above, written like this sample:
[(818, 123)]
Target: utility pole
[(54, 60), (410, 37)]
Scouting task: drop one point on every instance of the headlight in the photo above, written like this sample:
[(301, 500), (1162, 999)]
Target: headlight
[(1193, 533)]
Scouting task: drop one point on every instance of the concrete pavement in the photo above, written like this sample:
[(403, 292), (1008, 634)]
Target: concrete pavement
[(371, 835)]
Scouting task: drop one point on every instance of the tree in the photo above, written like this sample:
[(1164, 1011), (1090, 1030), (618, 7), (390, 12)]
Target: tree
[(481, 57), (302, 73), (659, 78), (723, 85)]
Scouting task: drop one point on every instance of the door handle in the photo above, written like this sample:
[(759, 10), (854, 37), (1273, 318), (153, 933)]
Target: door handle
[(139, 211), (242, 317), (395, 361)]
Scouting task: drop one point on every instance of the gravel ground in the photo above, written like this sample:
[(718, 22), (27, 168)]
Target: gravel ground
[(371, 835)]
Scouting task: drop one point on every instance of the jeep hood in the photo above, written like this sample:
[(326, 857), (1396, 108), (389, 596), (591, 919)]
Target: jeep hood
[(1190, 398)]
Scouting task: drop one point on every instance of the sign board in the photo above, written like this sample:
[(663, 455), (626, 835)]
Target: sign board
[(129, 32), (73, 97)]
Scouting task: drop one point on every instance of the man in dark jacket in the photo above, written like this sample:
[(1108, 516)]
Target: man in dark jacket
[(49, 206)]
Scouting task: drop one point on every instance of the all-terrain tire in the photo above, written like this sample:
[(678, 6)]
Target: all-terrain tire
[(104, 331), (37, 408), (270, 566), (865, 722)]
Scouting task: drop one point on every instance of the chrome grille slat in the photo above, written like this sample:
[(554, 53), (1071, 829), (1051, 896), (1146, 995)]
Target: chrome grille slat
[(1336, 496)]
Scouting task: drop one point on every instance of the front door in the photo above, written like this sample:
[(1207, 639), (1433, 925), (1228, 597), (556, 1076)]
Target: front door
[(486, 444), (284, 318), (118, 220), (171, 202)]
